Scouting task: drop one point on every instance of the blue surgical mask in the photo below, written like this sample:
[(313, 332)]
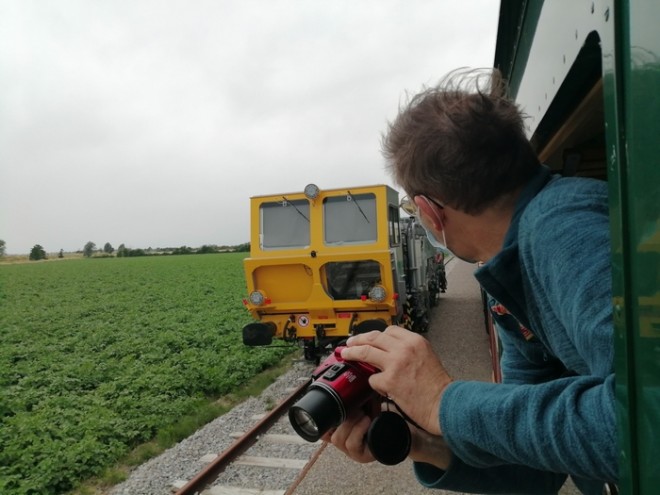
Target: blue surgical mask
[(440, 245)]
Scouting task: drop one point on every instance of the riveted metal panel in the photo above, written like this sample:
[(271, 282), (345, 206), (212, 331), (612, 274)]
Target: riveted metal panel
[(552, 38)]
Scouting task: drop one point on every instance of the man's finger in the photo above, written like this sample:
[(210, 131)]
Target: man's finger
[(366, 354), (364, 338), (388, 339)]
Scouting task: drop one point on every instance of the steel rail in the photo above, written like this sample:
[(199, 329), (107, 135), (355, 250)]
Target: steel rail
[(213, 469)]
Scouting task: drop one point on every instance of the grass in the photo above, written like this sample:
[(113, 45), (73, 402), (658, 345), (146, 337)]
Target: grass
[(174, 433), (104, 359)]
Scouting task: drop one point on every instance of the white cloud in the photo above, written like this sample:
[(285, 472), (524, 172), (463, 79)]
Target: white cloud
[(151, 123)]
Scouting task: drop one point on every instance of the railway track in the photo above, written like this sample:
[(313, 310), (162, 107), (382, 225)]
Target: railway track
[(271, 444)]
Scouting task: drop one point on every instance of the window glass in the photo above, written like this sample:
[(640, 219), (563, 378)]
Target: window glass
[(351, 279), (350, 219), (284, 224)]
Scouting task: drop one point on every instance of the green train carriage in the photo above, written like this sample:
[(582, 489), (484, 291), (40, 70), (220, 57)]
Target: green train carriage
[(587, 73)]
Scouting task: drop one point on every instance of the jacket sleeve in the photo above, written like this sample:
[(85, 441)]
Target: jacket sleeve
[(507, 479), (562, 426)]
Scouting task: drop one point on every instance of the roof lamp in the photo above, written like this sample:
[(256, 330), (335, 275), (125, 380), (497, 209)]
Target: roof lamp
[(312, 191)]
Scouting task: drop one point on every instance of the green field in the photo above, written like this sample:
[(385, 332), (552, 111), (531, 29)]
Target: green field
[(99, 355)]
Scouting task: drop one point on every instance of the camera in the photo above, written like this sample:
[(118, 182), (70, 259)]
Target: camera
[(340, 387)]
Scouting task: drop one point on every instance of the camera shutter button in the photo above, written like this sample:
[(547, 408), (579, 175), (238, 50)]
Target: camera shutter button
[(334, 371)]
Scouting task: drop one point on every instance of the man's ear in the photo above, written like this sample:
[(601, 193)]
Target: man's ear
[(429, 211)]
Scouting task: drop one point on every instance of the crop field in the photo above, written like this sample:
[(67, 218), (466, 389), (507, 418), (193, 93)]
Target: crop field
[(98, 355)]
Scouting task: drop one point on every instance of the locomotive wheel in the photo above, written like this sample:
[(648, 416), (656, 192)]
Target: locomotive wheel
[(421, 325), (434, 296)]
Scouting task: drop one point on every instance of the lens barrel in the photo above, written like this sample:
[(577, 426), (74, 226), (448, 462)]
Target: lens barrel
[(315, 413)]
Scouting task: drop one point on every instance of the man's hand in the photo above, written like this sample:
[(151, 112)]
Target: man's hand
[(411, 374), (351, 437), (430, 449)]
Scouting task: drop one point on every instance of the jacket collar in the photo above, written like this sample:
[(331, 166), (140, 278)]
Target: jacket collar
[(501, 276)]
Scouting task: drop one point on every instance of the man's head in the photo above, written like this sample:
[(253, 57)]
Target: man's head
[(462, 142)]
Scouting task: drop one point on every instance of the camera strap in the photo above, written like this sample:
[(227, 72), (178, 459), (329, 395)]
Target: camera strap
[(389, 401)]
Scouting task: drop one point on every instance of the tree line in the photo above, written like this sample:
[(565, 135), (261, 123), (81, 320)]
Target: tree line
[(90, 250)]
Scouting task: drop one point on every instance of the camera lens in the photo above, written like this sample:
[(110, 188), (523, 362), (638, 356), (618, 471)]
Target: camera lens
[(315, 413), (305, 422)]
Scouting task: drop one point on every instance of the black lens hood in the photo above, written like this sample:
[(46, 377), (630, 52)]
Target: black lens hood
[(389, 438)]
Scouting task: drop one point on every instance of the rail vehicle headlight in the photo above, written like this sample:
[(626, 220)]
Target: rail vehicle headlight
[(377, 293), (257, 298), (312, 191)]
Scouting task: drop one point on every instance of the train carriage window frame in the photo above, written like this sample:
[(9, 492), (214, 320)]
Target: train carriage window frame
[(350, 219), (284, 224)]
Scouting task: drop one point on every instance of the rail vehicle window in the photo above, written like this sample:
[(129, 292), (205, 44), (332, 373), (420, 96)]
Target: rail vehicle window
[(394, 226), (351, 279), (350, 219), (284, 224)]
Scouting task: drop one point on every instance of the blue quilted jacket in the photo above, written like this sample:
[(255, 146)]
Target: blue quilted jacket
[(554, 413)]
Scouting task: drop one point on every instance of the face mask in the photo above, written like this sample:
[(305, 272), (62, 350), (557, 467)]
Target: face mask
[(442, 246)]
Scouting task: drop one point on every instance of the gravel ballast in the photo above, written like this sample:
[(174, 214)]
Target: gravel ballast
[(181, 462)]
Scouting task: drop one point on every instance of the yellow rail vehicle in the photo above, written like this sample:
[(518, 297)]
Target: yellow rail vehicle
[(325, 265)]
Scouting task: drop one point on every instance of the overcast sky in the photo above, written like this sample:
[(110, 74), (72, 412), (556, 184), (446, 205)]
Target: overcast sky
[(152, 122)]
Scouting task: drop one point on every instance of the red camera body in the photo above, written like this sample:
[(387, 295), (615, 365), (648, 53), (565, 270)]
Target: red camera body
[(339, 387)]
